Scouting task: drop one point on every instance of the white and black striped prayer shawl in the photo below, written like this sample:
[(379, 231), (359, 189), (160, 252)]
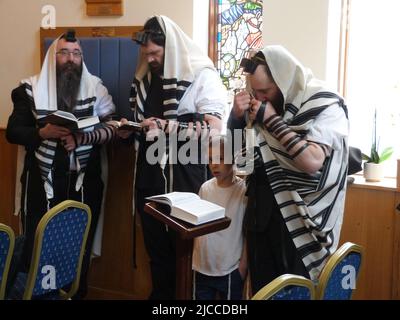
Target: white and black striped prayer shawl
[(312, 205), (43, 90), (183, 60)]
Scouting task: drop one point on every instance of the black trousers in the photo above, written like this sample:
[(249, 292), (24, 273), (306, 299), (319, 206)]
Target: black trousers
[(160, 246), (270, 248), (64, 188)]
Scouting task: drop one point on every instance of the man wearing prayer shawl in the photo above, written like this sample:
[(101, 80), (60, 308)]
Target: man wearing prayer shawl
[(60, 164), (297, 189), (176, 86)]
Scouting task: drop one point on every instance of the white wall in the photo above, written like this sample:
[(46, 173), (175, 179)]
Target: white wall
[(200, 23), (20, 21), (301, 27)]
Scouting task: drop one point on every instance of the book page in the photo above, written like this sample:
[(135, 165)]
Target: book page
[(88, 122), (198, 211), (198, 207), (65, 114), (68, 120), (59, 120), (175, 198)]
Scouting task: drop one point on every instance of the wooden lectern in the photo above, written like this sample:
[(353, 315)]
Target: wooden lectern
[(184, 244)]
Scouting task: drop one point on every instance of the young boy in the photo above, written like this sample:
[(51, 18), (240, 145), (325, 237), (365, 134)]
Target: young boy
[(219, 258)]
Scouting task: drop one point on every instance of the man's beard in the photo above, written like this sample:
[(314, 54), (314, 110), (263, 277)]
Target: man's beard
[(156, 68), (277, 102), (68, 82)]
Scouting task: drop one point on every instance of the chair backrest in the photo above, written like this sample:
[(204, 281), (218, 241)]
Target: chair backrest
[(287, 287), (113, 60), (338, 278), (58, 250), (7, 241)]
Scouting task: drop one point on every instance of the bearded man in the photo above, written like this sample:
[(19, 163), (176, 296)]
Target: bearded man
[(297, 189), (176, 90), (60, 164)]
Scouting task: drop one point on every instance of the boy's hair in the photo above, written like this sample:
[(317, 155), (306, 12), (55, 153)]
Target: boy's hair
[(222, 141)]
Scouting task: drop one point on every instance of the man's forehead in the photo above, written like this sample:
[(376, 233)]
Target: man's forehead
[(63, 44), (260, 77), (151, 47)]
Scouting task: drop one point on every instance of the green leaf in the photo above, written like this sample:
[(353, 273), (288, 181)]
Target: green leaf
[(365, 157), (386, 154), (374, 156)]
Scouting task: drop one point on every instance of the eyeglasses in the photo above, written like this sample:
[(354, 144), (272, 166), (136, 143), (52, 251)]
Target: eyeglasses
[(66, 53)]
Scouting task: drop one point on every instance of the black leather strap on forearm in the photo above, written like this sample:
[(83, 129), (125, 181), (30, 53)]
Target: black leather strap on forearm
[(260, 113), (198, 117)]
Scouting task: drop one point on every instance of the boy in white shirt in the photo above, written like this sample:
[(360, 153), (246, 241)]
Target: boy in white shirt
[(219, 258)]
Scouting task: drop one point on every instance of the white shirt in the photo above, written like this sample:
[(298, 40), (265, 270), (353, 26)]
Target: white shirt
[(206, 94), (103, 107), (218, 253)]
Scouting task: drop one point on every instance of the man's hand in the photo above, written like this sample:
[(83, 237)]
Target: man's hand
[(153, 123), (254, 107), (124, 134), (52, 131), (69, 142), (153, 127), (243, 265), (214, 122), (241, 103), (243, 269)]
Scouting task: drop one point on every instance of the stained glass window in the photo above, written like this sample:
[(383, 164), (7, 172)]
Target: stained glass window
[(239, 25)]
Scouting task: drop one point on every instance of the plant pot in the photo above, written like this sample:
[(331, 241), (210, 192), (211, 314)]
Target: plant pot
[(373, 172)]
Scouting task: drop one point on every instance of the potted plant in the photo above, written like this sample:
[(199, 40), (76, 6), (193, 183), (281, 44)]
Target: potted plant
[(373, 169)]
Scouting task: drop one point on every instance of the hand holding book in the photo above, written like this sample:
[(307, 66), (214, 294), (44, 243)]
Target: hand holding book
[(125, 127), (128, 125), (52, 131), (68, 120)]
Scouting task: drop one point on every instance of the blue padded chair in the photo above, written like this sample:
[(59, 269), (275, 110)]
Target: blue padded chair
[(113, 60), (287, 287), (7, 241), (338, 278), (58, 250)]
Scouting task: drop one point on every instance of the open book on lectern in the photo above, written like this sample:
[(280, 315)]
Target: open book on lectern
[(189, 207)]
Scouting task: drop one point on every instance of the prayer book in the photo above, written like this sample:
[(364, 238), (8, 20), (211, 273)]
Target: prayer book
[(130, 126), (68, 120), (189, 207)]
